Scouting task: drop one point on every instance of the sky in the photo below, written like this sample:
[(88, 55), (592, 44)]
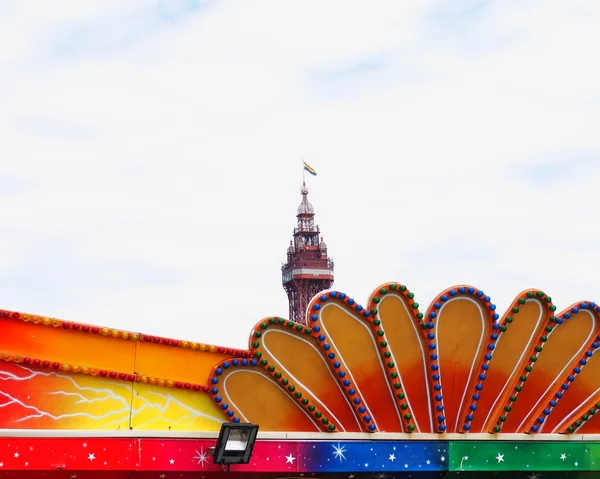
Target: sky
[(151, 153)]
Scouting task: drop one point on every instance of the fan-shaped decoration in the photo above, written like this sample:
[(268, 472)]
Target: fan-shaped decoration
[(387, 366)]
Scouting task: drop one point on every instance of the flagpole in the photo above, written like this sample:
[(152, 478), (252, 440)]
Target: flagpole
[(303, 173)]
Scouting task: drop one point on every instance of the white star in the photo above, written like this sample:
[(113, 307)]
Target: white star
[(74, 476), (171, 461), (338, 452), (16, 454), (290, 459), (381, 476), (392, 457), (351, 476), (537, 475), (563, 457), (428, 462), (201, 456), (162, 476), (91, 457), (499, 458), (466, 458)]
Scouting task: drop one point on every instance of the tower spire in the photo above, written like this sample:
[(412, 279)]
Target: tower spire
[(308, 270)]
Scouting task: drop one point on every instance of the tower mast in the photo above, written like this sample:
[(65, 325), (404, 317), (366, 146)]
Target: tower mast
[(308, 270)]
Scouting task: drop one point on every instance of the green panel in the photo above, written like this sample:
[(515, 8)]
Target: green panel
[(519, 456), (522, 475), (595, 456)]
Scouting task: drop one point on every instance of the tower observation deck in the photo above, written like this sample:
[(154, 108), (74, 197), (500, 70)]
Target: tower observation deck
[(308, 270)]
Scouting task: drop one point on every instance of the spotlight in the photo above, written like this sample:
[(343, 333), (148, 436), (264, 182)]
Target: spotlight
[(235, 444)]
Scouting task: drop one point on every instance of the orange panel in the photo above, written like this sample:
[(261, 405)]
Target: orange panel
[(408, 352), (256, 397), (565, 344), (584, 387), (509, 359), (26, 339), (351, 338), (179, 364), (282, 347), (592, 425), (462, 332)]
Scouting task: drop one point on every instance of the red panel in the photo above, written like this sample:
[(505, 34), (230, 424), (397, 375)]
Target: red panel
[(72, 475), (67, 454), (189, 455), (82, 458)]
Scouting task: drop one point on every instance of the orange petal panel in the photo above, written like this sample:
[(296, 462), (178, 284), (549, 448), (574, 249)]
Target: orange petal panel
[(345, 331), (561, 405), (246, 392), (289, 347), (577, 397), (517, 331), (400, 318), (460, 323), (555, 353)]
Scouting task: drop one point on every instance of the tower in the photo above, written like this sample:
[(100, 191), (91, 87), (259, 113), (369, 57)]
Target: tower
[(308, 270)]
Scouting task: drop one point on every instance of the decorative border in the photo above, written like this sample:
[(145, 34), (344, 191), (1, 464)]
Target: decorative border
[(285, 384), (429, 326), (118, 334), (103, 373)]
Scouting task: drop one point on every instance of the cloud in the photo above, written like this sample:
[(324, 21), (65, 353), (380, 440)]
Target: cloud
[(151, 153)]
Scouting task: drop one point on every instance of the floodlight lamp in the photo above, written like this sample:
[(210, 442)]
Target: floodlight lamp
[(235, 444)]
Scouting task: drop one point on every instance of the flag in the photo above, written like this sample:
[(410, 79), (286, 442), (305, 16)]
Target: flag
[(309, 169)]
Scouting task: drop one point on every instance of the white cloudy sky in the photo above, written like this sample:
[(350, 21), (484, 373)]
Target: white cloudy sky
[(150, 153)]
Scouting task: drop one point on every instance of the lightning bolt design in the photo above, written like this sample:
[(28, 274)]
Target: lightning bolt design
[(40, 399), (51, 400)]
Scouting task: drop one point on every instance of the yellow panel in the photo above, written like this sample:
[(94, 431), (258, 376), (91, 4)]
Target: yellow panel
[(47, 400), (163, 408)]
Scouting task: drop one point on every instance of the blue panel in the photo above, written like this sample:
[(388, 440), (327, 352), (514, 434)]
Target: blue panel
[(375, 456)]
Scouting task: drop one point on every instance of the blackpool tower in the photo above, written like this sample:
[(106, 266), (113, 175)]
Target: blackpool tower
[(308, 270)]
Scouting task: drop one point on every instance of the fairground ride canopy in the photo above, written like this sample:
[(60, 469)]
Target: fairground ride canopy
[(455, 372)]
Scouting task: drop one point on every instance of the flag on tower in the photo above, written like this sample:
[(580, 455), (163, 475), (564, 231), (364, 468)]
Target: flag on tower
[(309, 169)]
